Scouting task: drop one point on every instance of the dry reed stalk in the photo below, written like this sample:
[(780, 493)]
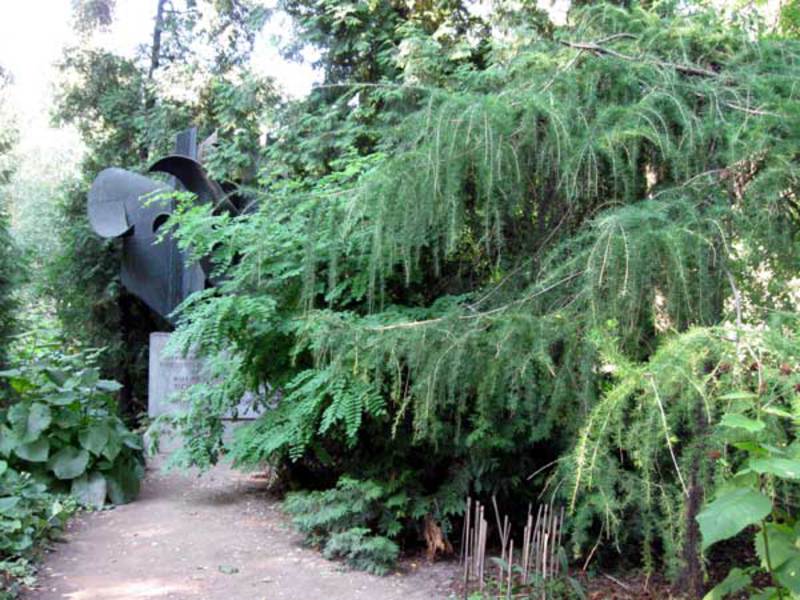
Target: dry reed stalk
[(553, 533), (482, 525), (497, 516), (526, 546), (475, 538), (463, 553), (524, 565), (502, 561), (467, 513), (541, 551), (541, 541), (473, 552), (537, 540), (500, 533), (548, 526), (557, 543), (506, 536), (510, 563)]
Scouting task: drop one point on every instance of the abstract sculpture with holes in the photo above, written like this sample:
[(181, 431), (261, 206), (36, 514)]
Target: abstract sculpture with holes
[(126, 205)]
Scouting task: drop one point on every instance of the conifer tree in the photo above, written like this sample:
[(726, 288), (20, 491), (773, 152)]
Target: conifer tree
[(450, 305)]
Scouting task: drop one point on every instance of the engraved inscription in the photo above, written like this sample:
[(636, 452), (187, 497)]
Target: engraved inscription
[(169, 376)]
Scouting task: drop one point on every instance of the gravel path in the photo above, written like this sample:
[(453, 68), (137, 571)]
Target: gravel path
[(216, 537)]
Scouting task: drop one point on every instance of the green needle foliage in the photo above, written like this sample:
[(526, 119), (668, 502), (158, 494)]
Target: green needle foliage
[(444, 302), (342, 520)]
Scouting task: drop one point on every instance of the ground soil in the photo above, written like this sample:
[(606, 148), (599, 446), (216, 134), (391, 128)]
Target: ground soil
[(221, 536)]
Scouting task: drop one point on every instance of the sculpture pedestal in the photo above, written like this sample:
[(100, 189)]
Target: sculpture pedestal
[(169, 376)]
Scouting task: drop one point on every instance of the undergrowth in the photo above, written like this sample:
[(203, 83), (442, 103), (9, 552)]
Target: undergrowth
[(62, 445), (29, 515), (357, 520)]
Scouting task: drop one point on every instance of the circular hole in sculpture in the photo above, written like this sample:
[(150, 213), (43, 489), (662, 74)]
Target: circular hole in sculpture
[(159, 221)]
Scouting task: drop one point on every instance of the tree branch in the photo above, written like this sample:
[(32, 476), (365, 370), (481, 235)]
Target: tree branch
[(597, 49)]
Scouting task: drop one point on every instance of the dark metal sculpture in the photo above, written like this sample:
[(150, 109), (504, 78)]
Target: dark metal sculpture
[(134, 207)]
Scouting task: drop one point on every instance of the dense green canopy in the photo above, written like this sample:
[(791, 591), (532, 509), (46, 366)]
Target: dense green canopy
[(487, 255), (440, 307)]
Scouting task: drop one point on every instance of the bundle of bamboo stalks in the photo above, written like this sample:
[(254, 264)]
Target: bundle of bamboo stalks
[(538, 560), (473, 544)]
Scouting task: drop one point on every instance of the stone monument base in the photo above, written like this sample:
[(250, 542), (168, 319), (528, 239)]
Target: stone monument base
[(169, 376)]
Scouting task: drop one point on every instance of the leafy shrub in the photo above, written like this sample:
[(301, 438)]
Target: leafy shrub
[(28, 513), (745, 500), (362, 550), (343, 519), (14, 575), (61, 426), (352, 503), (713, 408)]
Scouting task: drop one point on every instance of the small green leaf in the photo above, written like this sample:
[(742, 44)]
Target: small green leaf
[(3, 467), (21, 384), (768, 593), (738, 396), (785, 468), (66, 418), (108, 385), (750, 446), (113, 446), (39, 418), (35, 452), (64, 398), (8, 504), (731, 513), (736, 581), (57, 376), (782, 544), (741, 422), (95, 437), (29, 421), (788, 575), (774, 450), (90, 490), (777, 412), (132, 441), (69, 463), (8, 441), (577, 588), (89, 377)]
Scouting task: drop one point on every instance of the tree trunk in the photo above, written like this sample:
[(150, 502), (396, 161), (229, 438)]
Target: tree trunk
[(690, 581), (155, 60), (155, 53)]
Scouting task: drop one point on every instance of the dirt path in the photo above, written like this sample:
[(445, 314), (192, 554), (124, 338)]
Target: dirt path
[(217, 537)]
